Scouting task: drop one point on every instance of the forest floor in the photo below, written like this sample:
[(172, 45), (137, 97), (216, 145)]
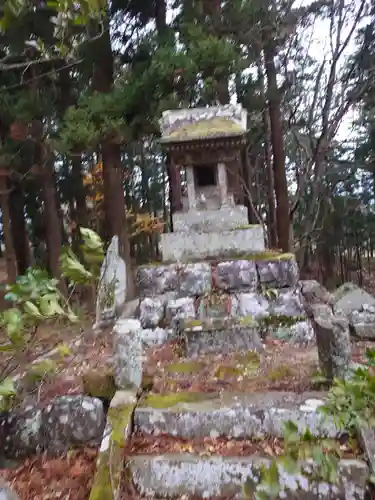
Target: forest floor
[(70, 476)]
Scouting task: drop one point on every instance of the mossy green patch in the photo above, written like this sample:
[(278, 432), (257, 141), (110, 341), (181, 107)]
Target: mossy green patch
[(108, 474), (279, 373), (224, 371), (191, 323), (147, 382), (168, 400), (205, 128), (99, 384), (247, 321), (120, 419), (184, 367)]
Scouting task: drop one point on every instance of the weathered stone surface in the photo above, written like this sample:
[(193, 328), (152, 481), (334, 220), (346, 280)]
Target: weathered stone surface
[(315, 293), (237, 275), (366, 438), (21, 431), (252, 304), (235, 416), (362, 323), (208, 221), (333, 340), (222, 336), (69, 421), (195, 278), (278, 272), (111, 293), (155, 336), (180, 309), (130, 309), (301, 333), (110, 463), (151, 311), (351, 298), (6, 493), (288, 302), (156, 279), (128, 350), (73, 421), (184, 247), (173, 475)]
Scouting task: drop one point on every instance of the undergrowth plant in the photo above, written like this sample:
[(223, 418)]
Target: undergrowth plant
[(36, 299), (350, 404)]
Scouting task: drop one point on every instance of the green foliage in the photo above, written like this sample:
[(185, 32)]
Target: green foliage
[(351, 404), (37, 298)]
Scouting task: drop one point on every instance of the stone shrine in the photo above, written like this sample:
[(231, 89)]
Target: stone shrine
[(209, 217)]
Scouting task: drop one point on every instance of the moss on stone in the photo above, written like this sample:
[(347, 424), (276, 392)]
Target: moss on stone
[(191, 323), (168, 400), (205, 128), (223, 371), (184, 367), (247, 320), (108, 474), (147, 382), (279, 373), (99, 384), (120, 419)]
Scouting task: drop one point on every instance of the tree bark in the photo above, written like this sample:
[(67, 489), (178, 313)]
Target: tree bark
[(281, 187), (19, 229), (114, 198), (10, 254)]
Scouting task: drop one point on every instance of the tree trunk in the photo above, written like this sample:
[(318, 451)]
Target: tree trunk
[(114, 198), (281, 187), (10, 254), (19, 230), (51, 213)]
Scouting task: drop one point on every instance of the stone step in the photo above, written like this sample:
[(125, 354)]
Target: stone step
[(221, 336), (174, 475), (247, 272), (183, 247), (231, 415)]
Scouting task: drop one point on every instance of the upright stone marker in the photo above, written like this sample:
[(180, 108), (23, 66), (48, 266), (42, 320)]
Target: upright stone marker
[(128, 353), (112, 285), (333, 340)]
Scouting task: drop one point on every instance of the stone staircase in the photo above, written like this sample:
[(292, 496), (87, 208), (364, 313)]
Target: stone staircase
[(210, 310)]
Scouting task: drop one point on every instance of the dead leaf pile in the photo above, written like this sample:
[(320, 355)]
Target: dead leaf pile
[(67, 478)]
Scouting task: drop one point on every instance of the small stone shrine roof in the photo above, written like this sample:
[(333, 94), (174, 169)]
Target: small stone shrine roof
[(202, 124)]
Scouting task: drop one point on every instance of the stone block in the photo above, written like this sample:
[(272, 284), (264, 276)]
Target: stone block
[(252, 304), (233, 415), (73, 421), (315, 293), (151, 311), (182, 308), (278, 272), (237, 275), (128, 350), (110, 462), (154, 336), (156, 279), (333, 341), (300, 333), (174, 475), (184, 247), (68, 422), (362, 324), (195, 278), (222, 335), (287, 302), (351, 298), (207, 221)]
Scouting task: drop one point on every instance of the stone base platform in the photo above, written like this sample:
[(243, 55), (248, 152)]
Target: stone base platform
[(174, 475), (207, 221), (232, 415), (184, 247)]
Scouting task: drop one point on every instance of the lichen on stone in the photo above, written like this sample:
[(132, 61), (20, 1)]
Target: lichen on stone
[(184, 367), (120, 418), (99, 384), (162, 401)]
